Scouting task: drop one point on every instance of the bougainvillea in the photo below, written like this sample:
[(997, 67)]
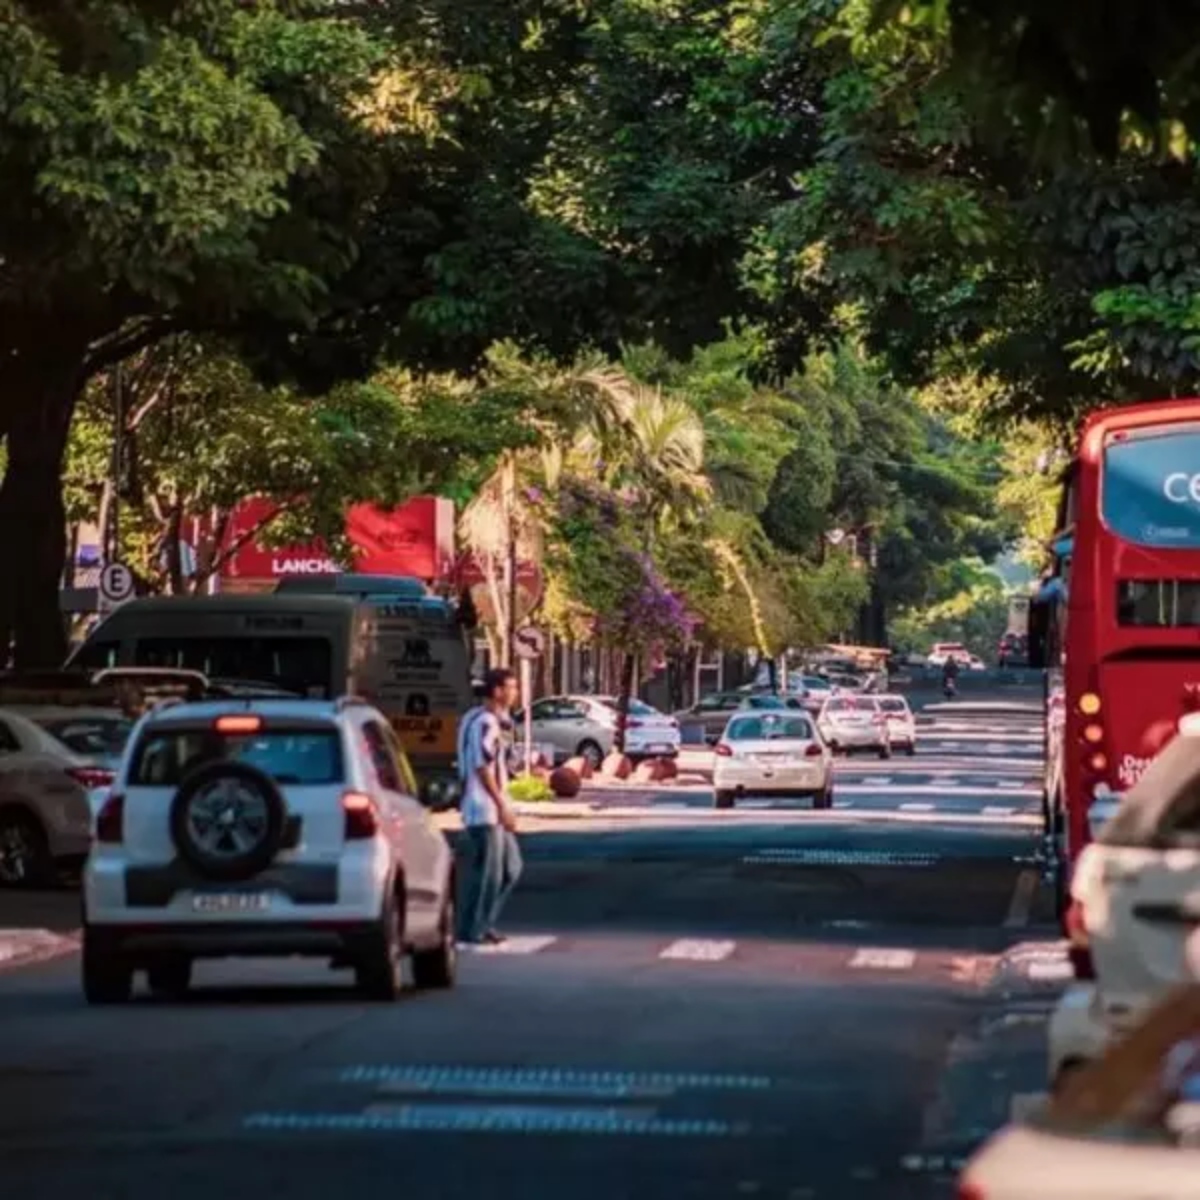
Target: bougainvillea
[(651, 618)]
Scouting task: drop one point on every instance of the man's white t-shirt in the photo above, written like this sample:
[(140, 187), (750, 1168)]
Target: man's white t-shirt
[(480, 744)]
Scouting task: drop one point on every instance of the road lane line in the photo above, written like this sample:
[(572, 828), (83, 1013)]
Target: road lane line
[(883, 960), (998, 810), (916, 808), (1021, 904), (875, 780), (518, 1078), (698, 950), (843, 804)]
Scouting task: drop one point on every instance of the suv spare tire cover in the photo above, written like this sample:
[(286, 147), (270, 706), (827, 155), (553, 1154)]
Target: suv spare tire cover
[(227, 820)]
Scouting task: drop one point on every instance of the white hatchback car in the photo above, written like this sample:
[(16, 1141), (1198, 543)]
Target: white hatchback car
[(266, 828), (776, 753), (849, 723), (902, 725)]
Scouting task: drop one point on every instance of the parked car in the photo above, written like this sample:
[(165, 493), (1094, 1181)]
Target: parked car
[(773, 752), (849, 723), (816, 691), (902, 725), (99, 734), (710, 714), (48, 795), (1135, 899), (586, 727), (1125, 1128), (1013, 650), (942, 652), (266, 828)]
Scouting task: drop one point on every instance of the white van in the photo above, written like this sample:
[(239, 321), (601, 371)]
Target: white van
[(407, 655)]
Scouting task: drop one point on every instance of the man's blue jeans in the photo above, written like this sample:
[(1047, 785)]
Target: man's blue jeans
[(493, 862)]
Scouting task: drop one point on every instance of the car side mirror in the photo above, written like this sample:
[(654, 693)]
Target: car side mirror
[(1102, 810)]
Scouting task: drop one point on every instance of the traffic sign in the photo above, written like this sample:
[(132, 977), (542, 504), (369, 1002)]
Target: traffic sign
[(531, 642), (116, 585)]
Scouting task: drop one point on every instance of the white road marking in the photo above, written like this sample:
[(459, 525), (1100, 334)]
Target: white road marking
[(1019, 907), (884, 960), (916, 808), (526, 944), (698, 950), (1011, 783), (843, 804), (876, 780), (921, 789), (998, 810), (521, 1079), (1051, 972), (944, 777)]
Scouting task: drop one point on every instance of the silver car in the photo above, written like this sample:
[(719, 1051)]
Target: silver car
[(849, 723), (48, 796)]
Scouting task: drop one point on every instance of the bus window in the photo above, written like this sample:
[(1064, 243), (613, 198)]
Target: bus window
[(1158, 603)]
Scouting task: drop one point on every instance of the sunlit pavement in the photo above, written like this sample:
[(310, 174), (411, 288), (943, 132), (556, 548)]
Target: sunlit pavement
[(775, 1006)]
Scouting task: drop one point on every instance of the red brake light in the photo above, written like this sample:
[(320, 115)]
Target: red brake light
[(91, 777), (813, 751), (970, 1191), (361, 821), (1079, 949), (633, 723), (724, 750), (110, 820), (238, 724)]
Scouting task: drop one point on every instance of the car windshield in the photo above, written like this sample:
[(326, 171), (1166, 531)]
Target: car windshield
[(891, 704), (93, 737), (297, 757), (765, 702), (752, 729)]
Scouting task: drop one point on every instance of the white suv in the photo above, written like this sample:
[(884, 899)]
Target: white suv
[(265, 828)]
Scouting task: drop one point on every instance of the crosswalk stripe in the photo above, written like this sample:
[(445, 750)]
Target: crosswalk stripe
[(916, 808), (884, 960), (698, 950), (518, 945), (998, 810)]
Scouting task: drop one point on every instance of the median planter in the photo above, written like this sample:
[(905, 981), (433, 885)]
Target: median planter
[(580, 766), (616, 766), (565, 783), (654, 770)]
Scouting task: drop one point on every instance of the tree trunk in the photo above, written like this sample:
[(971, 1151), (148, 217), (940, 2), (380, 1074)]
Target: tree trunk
[(628, 663), (38, 397), (174, 559)]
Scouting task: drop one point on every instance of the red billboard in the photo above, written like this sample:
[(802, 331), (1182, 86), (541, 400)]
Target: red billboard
[(416, 539)]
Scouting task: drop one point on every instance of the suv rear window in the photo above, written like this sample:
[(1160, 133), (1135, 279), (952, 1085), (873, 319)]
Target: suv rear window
[(894, 706), (298, 757)]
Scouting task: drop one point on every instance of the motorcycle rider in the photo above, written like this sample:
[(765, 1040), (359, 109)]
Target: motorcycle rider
[(950, 676)]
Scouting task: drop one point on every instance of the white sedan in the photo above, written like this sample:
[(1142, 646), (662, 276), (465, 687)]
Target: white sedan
[(776, 753)]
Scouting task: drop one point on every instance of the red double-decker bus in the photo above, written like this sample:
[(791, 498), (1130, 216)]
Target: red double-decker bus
[(1116, 624)]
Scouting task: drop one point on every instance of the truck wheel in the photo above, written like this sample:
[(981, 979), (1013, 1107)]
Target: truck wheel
[(723, 800)]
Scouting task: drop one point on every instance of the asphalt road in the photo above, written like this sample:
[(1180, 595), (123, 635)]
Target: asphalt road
[(752, 1007)]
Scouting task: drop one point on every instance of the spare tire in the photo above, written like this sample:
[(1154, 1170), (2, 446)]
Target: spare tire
[(228, 820)]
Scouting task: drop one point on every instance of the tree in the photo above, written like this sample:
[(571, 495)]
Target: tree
[(201, 435), (196, 165)]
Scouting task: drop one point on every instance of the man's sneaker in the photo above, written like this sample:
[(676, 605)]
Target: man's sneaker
[(492, 938)]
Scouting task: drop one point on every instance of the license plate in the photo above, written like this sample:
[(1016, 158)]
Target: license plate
[(660, 749), (230, 902)]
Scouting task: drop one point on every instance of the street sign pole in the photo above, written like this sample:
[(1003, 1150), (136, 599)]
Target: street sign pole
[(528, 644), (527, 705)]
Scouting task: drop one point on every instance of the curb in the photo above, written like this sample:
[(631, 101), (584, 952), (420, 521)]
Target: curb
[(25, 947)]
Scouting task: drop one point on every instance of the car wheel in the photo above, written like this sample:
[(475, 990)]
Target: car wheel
[(723, 800), (170, 977), (438, 967), (107, 976), (592, 753), (380, 974), (824, 798), (885, 751), (910, 749), (24, 850)]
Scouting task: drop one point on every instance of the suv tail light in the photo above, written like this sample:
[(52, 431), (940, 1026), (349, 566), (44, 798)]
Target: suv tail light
[(813, 750), (1079, 949), (91, 777), (724, 750), (361, 821), (110, 820), (970, 1191)]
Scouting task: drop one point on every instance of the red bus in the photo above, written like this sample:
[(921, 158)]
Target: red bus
[(1116, 624)]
